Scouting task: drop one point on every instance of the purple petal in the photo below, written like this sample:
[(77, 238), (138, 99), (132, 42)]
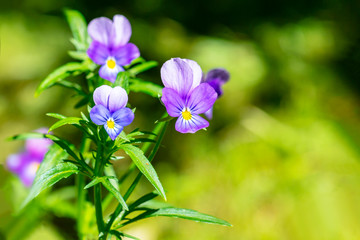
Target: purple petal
[(209, 113), (202, 98), (16, 162), (38, 147), (177, 74), (98, 52), (216, 84), (99, 115), (121, 31), (216, 78), (217, 73), (172, 101), (100, 29), (190, 126), (123, 117), (28, 174), (110, 74), (113, 132), (125, 54), (197, 73), (118, 99), (101, 95)]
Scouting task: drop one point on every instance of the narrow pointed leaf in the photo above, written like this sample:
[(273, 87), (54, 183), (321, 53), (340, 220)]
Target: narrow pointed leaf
[(78, 27), (152, 89), (72, 68), (143, 199), (56, 115), (48, 178), (107, 184), (180, 213), (66, 121), (144, 166), (142, 67)]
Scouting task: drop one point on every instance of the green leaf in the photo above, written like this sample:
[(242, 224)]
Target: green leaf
[(107, 184), (72, 68), (180, 213), (24, 136), (56, 115), (66, 121), (74, 86), (119, 235), (122, 80), (49, 178), (142, 67), (144, 166), (143, 199), (78, 27), (152, 89)]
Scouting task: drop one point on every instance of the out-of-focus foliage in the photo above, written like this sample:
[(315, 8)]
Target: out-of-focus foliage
[(280, 159)]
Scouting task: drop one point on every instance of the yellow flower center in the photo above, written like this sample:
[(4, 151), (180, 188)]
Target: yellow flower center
[(111, 63), (110, 123), (186, 115)]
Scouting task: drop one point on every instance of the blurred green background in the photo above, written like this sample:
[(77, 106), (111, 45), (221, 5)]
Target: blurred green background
[(280, 159)]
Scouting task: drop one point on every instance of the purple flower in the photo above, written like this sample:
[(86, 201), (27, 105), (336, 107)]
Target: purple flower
[(184, 96), (110, 47), (110, 110), (216, 78), (26, 164)]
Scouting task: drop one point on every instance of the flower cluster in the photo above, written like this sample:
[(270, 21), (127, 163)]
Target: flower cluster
[(110, 110), (184, 96), (110, 46), (26, 163)]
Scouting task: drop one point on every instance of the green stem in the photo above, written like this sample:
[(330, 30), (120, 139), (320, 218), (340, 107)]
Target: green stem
[(97, 191), (81, 193)]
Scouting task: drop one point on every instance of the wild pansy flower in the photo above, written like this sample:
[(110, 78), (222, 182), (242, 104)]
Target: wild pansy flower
[(184, 96), (216, 78), (110, 110), (26, 163), (110, 47)]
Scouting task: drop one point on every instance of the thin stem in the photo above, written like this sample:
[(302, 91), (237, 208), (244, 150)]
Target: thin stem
[(97, 190), (81, 192)]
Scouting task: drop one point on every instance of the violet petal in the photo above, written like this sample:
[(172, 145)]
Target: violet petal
[(100, 29), (178, 75), (28, 174), (118, 99), (110, 74), (113, 132), (123, 117), (99, 114), (101, 95), (201, 99), (173, 102), (121, 31), (209, 113), (197, 73), (217, 73), (190, 126), (16, 162), (125, 54), (98, 52)]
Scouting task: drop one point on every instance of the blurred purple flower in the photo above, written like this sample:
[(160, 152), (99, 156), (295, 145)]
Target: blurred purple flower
[(25, 164), (110, 47), (216, 78), (110, 110), (184, 96)]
